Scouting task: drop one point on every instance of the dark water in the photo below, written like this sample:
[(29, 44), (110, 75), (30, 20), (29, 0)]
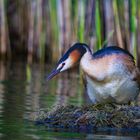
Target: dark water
[(23, 91)]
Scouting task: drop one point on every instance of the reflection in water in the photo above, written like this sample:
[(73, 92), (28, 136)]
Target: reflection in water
[(13, 104), (23, 90), (2, 76)]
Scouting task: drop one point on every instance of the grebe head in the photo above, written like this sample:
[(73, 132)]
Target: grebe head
[(70, 58)]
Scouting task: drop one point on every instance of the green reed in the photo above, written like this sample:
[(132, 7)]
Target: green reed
[(98, 27), (133, 26), (81, 20), (47, 42)]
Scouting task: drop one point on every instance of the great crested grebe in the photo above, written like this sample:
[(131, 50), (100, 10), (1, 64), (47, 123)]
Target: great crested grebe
[(110, 73)]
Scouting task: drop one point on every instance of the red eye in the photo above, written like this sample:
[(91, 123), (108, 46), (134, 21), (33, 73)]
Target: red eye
[(63, 64)]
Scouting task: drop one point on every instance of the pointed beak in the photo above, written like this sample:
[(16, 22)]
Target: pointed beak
[(52, 74)]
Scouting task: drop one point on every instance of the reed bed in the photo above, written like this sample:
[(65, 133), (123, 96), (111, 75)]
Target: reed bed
[(42, 30)]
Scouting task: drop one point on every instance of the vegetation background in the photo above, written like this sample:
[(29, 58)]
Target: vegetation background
[(33, 35), (41, 30)]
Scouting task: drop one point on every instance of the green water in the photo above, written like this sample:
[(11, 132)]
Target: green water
[(24, 91)]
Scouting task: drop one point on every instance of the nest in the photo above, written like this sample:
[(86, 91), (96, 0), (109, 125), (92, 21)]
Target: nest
[(90, 118)]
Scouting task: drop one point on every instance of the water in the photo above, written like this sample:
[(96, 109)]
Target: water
[(23, 91)]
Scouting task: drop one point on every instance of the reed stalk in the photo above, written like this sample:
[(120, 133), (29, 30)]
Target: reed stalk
[(81, 20), (74, 20), (45, 29), (38, 28), (138, 33), (117, 25), (98, 26), (133, 27), (31, 32), (126, 32), (54, 29), (109, 22), (3, 36), (90, 32)]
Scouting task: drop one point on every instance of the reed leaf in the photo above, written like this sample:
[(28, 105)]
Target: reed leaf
[(133, 27), (81, 20), (98, 26)]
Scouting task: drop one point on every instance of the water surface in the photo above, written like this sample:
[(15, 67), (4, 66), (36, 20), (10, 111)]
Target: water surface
[(24, 91)]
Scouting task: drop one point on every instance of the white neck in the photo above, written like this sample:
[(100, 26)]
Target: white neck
[(91, 67), (85, 61)]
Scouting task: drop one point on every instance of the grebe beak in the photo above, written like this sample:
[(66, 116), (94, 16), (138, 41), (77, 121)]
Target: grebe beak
[(52, 74)]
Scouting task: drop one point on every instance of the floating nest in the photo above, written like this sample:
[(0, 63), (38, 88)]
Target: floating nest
[(90, 118)]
